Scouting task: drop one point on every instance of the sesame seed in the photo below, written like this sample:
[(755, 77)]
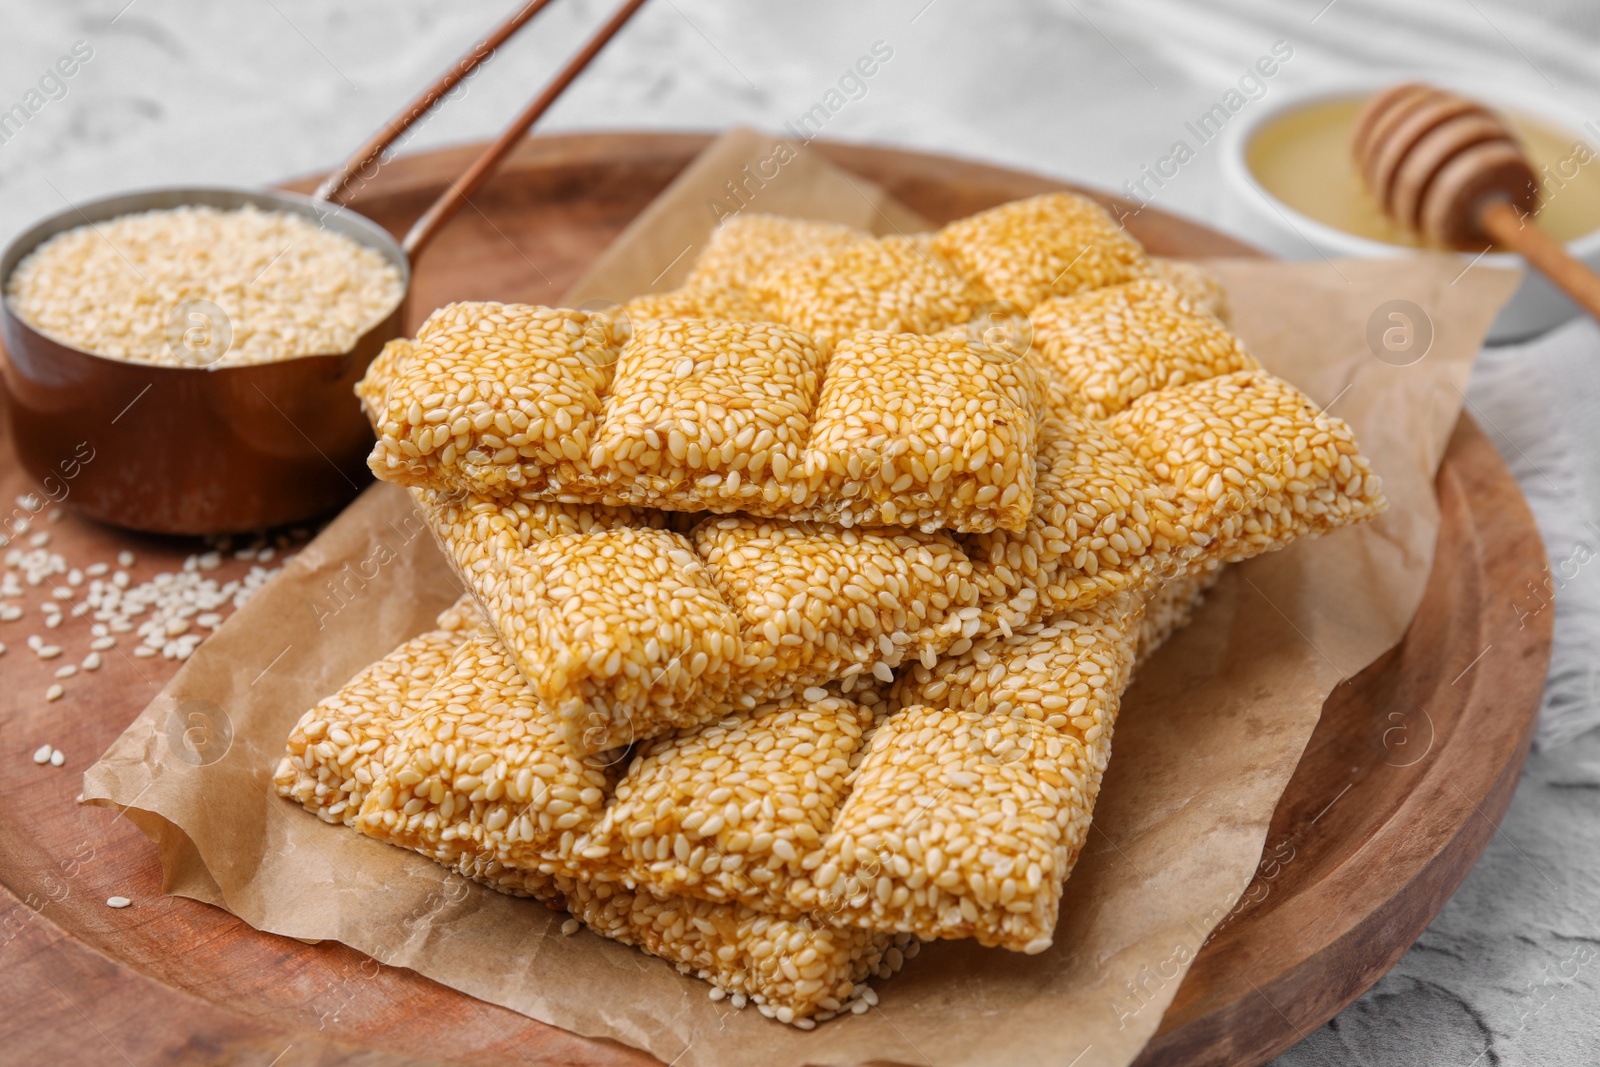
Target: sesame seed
[(58, 758), (287, 285), (54, 692), (41, 755), (570, 927), (125, 558), (66, 670), (117, 902)]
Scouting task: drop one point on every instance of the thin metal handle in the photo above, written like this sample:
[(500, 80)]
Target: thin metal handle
[(336, 183), (450, 201)]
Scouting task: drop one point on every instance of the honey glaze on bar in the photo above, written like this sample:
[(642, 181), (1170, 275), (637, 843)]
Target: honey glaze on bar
[(1303, 158)]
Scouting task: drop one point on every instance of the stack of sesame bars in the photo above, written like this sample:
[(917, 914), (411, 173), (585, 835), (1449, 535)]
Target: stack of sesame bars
[(802, 598)]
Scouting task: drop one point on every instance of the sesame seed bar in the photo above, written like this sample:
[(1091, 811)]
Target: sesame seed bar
[(884, 283), (910, 427), (730, 811), (1110, 346), (1195, 281), (1100, 524), (658, 631), (694, 302), (446, 778), (1251, 463), (817, 602), (1027, 251), (973, 800), (328, 766), (478, 767), (494, 398), (707, 415), (793, 969), (744, 246)]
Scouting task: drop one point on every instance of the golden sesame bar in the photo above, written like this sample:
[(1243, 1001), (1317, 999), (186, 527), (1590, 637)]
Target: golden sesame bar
[(373, 388), (470, 820), (744, 246), (620, 632), (817, 602), (782, 606), (909, 428), (1195, 281), (1251, 463), (1029, 250), (973, 800), (1100, 524), (513, 401), (479, 767), (730, 811), (694, 302), (886, 283), (717, 412), (331, 751), (1111, 346), (494, 398), (792, 969)]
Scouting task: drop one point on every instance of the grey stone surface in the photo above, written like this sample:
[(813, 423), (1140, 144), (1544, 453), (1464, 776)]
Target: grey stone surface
[(256, 91)]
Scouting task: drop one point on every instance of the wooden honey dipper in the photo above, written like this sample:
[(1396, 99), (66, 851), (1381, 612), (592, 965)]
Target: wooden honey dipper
[(1448, 169)]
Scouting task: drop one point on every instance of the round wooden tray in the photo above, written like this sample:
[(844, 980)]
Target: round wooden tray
[(1399, 791)]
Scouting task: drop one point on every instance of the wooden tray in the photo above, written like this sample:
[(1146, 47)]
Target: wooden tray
[(1398, 793)]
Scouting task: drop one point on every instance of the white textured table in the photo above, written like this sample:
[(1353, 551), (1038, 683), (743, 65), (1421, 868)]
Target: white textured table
[(259, 90)]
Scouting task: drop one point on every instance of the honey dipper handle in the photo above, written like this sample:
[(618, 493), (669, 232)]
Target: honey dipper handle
[(1503, 222)]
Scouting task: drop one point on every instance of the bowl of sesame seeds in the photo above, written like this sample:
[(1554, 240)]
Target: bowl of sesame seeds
[(182, 361)]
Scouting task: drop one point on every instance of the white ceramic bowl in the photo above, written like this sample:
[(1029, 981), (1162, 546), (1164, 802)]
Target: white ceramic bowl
[(1258, 216)]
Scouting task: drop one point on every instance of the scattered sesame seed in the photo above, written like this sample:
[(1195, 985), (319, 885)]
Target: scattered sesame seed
[(117, 902), (570, 927), (35, 642), (144, 652), (91, 662), (48, 651), (56, 515), (58, 758), (40, 539), (125, 558), (41, 755), (66, 670), (54, 692), (10, 613), (95, 570)]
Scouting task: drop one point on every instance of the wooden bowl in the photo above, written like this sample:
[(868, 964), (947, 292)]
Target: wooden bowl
[(192, 450), (1352, 875)]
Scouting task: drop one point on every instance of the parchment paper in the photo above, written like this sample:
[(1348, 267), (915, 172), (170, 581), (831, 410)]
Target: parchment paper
[(1207, 738)]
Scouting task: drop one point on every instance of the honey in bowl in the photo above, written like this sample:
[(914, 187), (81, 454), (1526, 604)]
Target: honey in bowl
[(1303, 157)]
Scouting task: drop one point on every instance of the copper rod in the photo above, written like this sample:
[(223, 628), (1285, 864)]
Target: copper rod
[(450, 201), (336, 183)]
